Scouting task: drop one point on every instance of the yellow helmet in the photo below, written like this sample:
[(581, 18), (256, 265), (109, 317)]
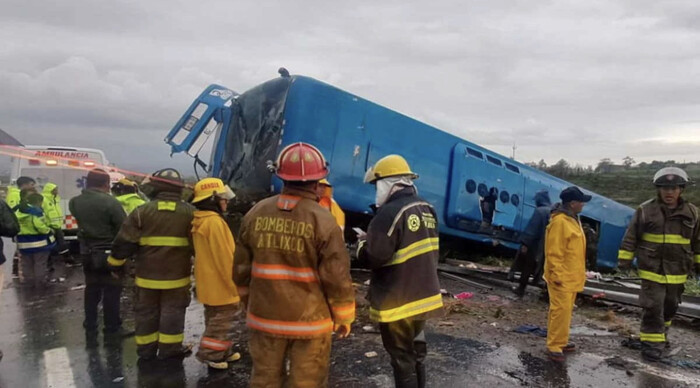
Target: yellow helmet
[(127, 182), (390, 165), (208, 187)]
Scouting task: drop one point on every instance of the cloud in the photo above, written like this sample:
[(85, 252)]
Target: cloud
[(565, 79)]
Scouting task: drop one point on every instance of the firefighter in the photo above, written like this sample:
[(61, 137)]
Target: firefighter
[(156, 234), (35, 239), (564, 269), (293, 272), (13, 199), (99, 218), (213, 272), (325, 192), (126, 192), (401, 247), (664, 235)]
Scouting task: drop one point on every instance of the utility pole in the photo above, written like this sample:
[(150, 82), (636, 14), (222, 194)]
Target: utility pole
[(514, 148)]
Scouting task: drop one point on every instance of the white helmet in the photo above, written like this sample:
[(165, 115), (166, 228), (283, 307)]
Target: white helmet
[(671, 176)]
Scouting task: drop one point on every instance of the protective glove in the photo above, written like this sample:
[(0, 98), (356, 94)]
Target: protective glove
[(342, 330)]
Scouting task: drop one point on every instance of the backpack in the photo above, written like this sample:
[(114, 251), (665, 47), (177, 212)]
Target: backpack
[(9, 225)]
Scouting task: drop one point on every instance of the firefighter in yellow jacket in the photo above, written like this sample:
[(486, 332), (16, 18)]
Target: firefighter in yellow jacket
[(664, 234), (402, 249), (157, 235), (292, 266), (564, 268), (213, 272), (325, 193)]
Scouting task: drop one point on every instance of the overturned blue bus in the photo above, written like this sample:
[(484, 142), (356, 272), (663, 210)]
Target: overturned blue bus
[(456, 176)]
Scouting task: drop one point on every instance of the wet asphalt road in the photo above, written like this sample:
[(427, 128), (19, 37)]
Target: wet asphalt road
[(44, 345)]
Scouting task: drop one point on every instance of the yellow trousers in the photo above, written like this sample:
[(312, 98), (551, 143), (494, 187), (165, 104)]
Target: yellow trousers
[(561, 308)]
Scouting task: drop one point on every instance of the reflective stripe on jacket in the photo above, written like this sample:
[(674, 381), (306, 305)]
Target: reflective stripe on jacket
[(665, 241), (292, 262), (157, 235), (565, 252), (52, 207), (213, 264), (402, 249), (34, 234), (130, 202)]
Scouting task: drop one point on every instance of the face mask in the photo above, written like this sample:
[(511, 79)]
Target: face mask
[(383, 191), (388, 186)]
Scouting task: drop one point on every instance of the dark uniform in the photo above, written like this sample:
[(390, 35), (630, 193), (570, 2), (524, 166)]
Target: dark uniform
[(402, 251), (665, 242), (99, 217), (157, 235)]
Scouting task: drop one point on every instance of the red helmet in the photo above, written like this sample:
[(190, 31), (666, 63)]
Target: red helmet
[(301, 162)]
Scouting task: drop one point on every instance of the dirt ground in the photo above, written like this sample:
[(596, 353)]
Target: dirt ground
[(475, 341)]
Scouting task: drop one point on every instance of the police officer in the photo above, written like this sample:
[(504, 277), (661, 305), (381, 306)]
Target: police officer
[(126, 192), (664, 235), (13, 199), (292, 267), (99, 218), (401, 247), (157, 235)]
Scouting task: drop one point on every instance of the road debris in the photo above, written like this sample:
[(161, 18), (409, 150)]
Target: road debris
[(371, 354), (464, 295), (531, 329)]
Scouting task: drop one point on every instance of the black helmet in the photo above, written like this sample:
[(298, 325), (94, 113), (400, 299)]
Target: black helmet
[(671, 176), (165, 180)]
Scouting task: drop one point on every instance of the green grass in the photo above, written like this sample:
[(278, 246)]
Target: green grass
[(630, 187), (692, 287)]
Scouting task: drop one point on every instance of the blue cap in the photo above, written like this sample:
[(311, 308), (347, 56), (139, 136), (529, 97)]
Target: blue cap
[(573, 193)]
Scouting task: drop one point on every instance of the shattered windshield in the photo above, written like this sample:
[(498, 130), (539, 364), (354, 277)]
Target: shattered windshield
[(252, 139)]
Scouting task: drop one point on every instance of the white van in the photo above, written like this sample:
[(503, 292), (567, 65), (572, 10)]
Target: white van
[(67, 167)]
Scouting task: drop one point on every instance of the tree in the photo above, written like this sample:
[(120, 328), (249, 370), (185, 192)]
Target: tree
[(542, 165), (628, 162), (560, 168)]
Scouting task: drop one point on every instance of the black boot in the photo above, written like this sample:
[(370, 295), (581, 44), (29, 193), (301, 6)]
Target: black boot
[(651, 354), (420, 373)]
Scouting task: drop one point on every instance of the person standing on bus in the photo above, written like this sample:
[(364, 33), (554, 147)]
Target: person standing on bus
[(35, 239), (325, 192), (13, 199), (126, 192), (99, 218)]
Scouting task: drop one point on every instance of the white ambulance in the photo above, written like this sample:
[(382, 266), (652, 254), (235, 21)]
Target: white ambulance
[(67, 167)]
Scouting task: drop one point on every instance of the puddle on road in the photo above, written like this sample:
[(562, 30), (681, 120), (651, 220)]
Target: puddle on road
[(487, 365)]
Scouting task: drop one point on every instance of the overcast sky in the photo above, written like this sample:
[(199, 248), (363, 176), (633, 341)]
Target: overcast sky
[(560, 79)]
